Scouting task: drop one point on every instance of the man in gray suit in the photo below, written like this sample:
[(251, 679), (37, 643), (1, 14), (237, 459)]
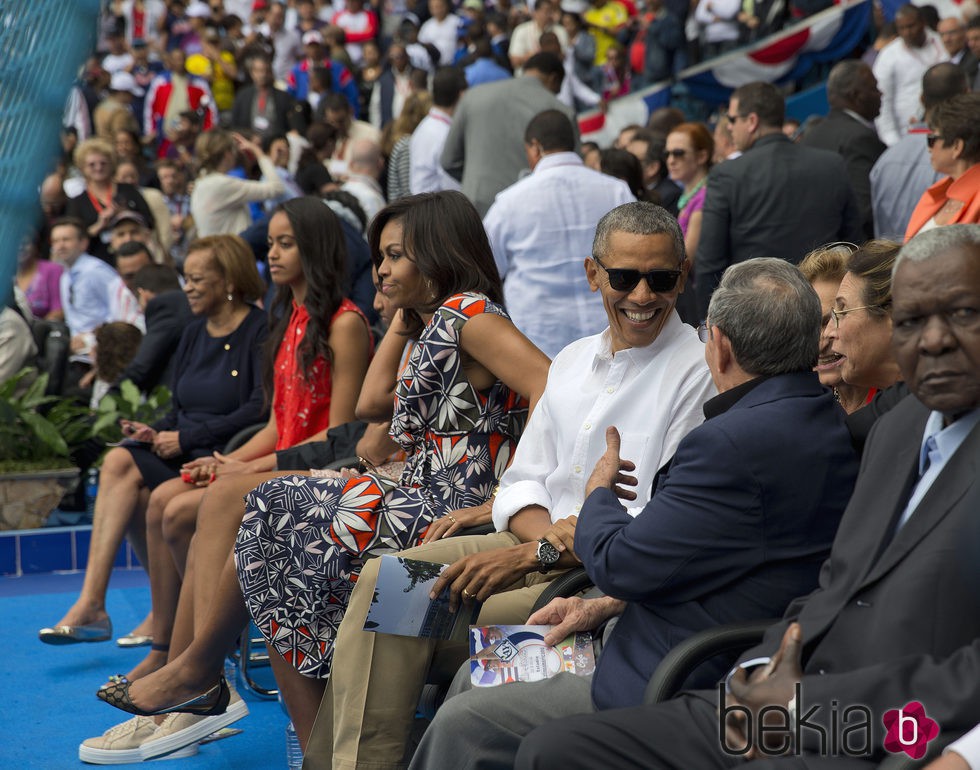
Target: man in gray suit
[(485, 146), (895, 618), (778, 199)]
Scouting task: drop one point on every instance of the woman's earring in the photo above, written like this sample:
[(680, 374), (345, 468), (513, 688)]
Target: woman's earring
[(231, 297)]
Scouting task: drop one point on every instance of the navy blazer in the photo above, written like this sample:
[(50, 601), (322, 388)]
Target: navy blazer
[(738, 528)]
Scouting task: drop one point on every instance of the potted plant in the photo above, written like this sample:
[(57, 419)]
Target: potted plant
[(37, 434)]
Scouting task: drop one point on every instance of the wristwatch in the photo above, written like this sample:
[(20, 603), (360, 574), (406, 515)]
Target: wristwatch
[(547, 555)]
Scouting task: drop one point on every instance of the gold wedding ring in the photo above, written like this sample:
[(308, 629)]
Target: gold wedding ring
[(467, 594), (453, 519)]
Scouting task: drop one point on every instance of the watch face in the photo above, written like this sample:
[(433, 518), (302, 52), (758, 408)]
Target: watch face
[(547, 553)]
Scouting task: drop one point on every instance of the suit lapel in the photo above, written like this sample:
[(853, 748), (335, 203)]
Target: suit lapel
[(943, 495)]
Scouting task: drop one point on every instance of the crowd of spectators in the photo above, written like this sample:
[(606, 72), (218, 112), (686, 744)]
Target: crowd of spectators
[(375, 232)]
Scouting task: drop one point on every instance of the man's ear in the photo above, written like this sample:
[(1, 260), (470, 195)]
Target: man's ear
[(685, 268), (592, 273), (724, 358)]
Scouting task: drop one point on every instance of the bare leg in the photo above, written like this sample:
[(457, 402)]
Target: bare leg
[(164, 577), (198, 667), (301, 694), (136, 535), (120, 483), (180, 522)]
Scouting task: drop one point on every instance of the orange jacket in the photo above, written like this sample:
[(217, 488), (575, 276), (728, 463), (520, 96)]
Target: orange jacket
[(966, 189)]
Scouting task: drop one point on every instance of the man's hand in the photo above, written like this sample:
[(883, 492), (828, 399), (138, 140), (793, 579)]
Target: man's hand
[(608, 472), (775, 684), (480, 575), (452, 522), (561, 535), (951, 761), (574, 614)]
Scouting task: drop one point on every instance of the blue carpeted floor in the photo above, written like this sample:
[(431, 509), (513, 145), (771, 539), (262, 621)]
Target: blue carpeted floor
[(47, 694)]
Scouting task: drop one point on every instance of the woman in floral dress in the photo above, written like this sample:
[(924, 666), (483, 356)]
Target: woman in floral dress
[(457, 410)]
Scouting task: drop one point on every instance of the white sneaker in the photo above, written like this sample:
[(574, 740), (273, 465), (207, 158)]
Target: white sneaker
[(179, 731), (120, 745)]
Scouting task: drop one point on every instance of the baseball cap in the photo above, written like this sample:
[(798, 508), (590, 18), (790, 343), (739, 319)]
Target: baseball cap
[(123, 81), (127, 216), (312, 37)]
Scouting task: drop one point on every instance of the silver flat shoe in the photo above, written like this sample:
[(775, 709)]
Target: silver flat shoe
[(93, 632), (134, 640)]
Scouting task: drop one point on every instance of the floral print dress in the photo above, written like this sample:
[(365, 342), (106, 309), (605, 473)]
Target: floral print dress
[(303, 540)]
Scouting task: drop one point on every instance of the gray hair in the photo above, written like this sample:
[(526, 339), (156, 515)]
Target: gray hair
[(933, 243), (771, 314), (638, 218)]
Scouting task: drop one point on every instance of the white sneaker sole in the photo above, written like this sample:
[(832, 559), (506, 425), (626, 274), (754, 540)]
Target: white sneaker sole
[(127, 756), (165, 748)]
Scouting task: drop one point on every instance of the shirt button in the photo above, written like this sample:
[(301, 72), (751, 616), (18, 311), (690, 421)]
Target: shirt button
[(234, 372), (227, 346), (610, 390), (578, 468), (588, 426), (577, 508)]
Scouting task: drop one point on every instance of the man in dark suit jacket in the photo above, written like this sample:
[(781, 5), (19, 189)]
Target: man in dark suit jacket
[(262, 108), (740, 520), (777, 199), (849, 129), (167, 314), (895, 618)]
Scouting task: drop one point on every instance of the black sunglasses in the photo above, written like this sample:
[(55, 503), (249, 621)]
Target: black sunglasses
[(659, 281), (676, 153), (931, 139)]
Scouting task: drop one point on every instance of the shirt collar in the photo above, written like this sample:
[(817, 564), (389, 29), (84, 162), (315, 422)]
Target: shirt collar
[(860, 119), (947, 439), (639, 357), (725, 401), (553, 159)]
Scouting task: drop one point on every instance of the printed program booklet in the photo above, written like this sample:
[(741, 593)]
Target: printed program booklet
[(401, 603), (502, 654)]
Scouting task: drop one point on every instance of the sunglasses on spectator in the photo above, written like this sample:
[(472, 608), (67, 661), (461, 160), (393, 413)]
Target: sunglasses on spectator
[(659, 281), (931, 139), (676, 153), (732, 119)]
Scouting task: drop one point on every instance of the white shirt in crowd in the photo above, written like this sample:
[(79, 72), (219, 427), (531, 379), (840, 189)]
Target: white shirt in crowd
[(367, 191), (441, 34), (717, 20), (653, 395), (541, 230), (899, 70), (288, 47), (525, 41), (426, 173)]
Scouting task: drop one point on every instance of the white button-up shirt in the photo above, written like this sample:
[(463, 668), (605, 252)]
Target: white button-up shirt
[(653, 395), (899, 70), (541, 230), (426, 173)]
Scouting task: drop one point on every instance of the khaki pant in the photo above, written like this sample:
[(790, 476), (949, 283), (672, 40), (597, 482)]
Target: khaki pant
[(368, 709)]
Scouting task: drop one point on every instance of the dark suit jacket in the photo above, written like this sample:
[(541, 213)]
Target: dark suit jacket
[(905, 625), (859, 146), (290, 114), (777, 200), (167, 315), (742, 519)]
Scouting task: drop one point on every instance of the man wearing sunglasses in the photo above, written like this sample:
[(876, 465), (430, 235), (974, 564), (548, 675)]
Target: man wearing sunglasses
[(778, 199), (741, 519), (646, 374)]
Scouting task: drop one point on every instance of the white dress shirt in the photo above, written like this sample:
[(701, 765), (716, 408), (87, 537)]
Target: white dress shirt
[(899, 70), (426, 173), (968, 747), (123, 306), (653, 395), (541, 230)]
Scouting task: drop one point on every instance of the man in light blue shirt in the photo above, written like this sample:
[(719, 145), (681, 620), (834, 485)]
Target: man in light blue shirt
[(541, 231), (86, 286)]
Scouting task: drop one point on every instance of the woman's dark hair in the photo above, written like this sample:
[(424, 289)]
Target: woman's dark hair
[(958, 118), (323, 254), (872, 263), (443, 235), (626, 166)]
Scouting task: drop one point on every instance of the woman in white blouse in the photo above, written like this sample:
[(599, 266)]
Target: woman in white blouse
[(219, 202)]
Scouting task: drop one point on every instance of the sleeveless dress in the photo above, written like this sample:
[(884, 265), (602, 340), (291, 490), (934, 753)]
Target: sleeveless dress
[(303, 540)]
